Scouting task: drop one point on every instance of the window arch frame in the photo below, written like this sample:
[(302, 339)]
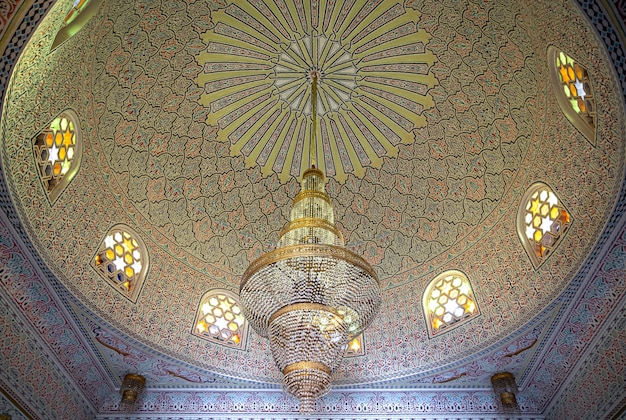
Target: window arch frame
[(428, 314), (133, 293), (242, 345), (574, 117), (54, 193), (84, 15), (521, 224)]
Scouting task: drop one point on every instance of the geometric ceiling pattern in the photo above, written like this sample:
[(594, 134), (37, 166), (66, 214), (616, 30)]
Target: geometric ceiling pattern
[(446, 199), (373, 70)]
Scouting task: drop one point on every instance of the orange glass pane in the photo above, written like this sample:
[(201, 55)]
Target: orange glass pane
[(572, 89), (49, 139), (68, 138), (564, 76), (56, 169), (582, 106), (579, 72), (62, 153)]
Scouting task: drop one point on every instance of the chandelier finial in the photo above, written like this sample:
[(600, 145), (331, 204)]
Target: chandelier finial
[(314, 78)]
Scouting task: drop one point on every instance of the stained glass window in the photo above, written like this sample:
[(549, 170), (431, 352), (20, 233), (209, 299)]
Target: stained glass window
[(221, 319), (58, 151), (75, 19), (573, 91), (123, 261), (355, 347), (542, 222), (449, 300)]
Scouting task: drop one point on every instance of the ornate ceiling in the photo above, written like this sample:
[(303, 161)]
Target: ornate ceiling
[(435, 119)]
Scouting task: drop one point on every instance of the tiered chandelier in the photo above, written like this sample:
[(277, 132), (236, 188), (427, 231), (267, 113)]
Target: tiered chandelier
[(310, 296)]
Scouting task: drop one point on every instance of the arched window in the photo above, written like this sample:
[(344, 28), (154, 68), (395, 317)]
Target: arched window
[(574, 92), (449, 301), (542, 220), (58, 150), (75, 19), (220, 319), (122, 260)]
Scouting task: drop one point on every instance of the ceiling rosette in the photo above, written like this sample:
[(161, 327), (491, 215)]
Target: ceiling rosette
[(374, 72)]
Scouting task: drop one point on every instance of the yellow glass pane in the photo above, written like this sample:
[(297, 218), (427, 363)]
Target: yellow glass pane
[(127, 285), (129, 272), (110, 254), (235, 338), (62, 153), (554, 212), (58, 138), (128, 259), (544, 210), (537, 236), (570, 73), (119, 250), (68, 139), (233, 326), (437, 323), (470, 307)]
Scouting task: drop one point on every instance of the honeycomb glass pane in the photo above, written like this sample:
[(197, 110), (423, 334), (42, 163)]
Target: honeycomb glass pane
[(575, 85), (222, 316), (542, 223), (452, 303), (116, 264), (54, 155)]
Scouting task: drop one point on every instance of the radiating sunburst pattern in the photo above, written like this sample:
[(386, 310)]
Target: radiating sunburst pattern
[(373, 70)]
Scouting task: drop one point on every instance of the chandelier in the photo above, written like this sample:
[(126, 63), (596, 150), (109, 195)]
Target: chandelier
[(310, 296)]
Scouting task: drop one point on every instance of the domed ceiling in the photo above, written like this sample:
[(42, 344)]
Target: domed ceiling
[(435, 119)]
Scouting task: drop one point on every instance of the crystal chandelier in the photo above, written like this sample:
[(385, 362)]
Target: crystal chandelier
[(310, 296)]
